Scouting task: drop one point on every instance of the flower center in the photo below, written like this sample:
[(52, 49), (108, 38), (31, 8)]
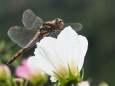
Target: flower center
[(64, 70)]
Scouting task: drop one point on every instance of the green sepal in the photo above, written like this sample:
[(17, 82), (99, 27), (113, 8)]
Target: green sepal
[(72, 80), (71, 76), (79, 76), (60, 79)]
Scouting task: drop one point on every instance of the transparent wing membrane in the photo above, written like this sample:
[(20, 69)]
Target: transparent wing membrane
[(31, 21), (21, 35), (75, 26)]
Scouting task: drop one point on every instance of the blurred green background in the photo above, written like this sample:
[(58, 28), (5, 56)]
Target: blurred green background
[(96, 16)]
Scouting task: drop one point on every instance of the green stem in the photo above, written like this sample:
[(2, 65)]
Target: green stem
[(15, 84), (26, 83), (9, 83)]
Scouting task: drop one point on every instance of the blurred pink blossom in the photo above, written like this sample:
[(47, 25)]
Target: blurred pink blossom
[(84, 83), (5, 72), (29, 73)]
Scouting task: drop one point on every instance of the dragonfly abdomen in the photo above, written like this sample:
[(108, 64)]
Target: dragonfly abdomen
[(16, 55)]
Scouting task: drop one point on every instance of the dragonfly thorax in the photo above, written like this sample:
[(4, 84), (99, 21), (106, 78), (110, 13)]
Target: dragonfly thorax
[(53, 25)]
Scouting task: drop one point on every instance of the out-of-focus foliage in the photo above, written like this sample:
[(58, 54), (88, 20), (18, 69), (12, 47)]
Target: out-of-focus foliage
[(8, 77), (103, 84), (97, 17), (6, 52)]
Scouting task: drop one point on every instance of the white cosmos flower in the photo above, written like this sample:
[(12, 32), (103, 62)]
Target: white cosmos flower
[(54, 55)]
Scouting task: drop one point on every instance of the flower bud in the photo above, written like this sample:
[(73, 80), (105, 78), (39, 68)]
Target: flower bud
[(18, 81), (103, 84), (4, 72)]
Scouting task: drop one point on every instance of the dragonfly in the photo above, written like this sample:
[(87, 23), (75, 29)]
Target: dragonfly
[(34, 30)]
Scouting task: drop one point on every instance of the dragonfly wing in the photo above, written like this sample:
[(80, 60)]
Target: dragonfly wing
[(30, 20), (21, 35), (75, 26)]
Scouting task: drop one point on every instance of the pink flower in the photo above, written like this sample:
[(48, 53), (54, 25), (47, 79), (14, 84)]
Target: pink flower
[(84, 83), (4, 72), (33, 75)]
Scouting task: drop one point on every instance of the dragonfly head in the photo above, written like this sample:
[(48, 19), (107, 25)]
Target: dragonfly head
[(58, 23)]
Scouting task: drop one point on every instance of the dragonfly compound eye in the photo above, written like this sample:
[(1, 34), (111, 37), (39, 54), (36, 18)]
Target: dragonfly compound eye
[(59, 23)]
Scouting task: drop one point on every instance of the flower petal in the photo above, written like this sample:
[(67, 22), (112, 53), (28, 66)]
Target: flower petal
[(53, 51), (69, 40), (40, 63), (84, 83), (84, 45), (21, 71), (53, 79)]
